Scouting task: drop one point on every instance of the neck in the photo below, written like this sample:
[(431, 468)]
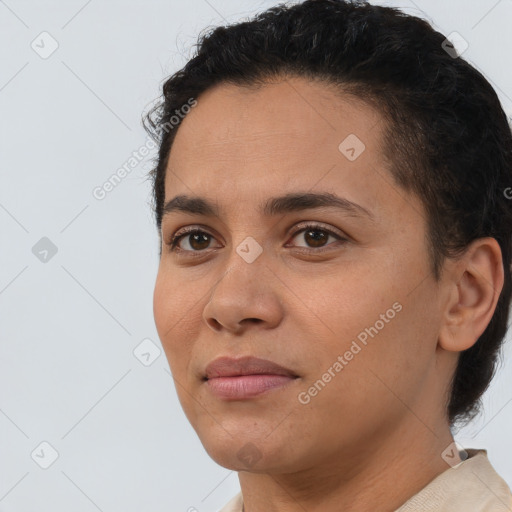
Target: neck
[(382, 475)]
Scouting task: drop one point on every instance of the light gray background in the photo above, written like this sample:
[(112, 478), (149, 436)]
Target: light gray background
[(68, 375)]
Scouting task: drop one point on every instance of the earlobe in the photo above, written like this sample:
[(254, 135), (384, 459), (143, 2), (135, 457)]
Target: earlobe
[(475, 284)]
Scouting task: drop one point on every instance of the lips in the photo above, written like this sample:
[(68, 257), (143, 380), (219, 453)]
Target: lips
[(246, 378), (229, 367)]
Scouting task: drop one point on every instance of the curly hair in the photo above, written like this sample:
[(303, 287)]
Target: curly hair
[(447, 138)]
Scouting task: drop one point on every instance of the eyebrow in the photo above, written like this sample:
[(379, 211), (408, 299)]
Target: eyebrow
[(291, 202)]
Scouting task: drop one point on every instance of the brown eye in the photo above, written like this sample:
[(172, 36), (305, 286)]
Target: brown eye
[(197, 239), (316, 236)]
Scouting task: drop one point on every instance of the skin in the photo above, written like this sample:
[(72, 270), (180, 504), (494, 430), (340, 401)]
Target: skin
[(384, 414)]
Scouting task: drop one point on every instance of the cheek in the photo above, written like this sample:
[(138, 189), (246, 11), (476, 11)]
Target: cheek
[(172, 307), (395, 342), (162, 301), (343, 302), (367, 317), (173, 300)]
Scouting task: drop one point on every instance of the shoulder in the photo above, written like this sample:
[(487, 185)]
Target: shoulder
[(234, 505), (472, 485)]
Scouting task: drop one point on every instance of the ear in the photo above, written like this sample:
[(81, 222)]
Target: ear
[(474, 284)]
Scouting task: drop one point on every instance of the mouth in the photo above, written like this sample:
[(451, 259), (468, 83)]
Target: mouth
[(242, 387), (248, 365), (247, 377)]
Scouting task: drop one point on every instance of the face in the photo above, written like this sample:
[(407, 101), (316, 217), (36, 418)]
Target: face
[(340, 295)]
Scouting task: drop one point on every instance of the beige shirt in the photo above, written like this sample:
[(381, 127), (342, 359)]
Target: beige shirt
[(471, 486)]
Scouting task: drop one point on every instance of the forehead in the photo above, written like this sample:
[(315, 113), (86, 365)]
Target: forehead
[(290, 115), (244, 144)]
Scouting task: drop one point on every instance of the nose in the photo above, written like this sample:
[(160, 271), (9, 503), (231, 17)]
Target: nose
[(246, 295)]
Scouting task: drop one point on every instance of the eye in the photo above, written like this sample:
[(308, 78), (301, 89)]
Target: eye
[(316, 236), (196, 238)]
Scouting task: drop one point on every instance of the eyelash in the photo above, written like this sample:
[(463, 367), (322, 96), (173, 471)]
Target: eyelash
[(176, 238)]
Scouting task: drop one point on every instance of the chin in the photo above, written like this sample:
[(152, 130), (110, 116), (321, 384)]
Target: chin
[(248, 453)]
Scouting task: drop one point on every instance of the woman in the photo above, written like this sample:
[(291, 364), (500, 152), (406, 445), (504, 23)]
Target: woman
[(334, 275)]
